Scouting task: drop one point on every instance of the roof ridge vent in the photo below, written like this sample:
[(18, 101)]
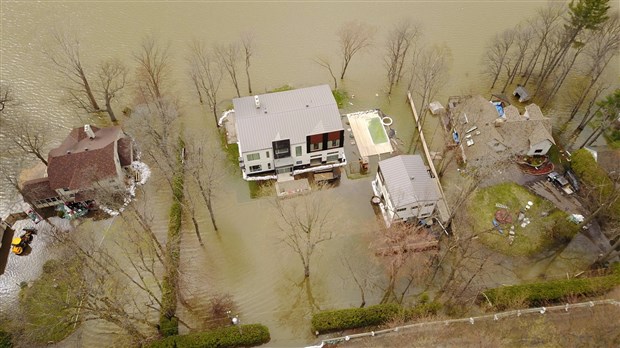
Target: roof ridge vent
[(257, 102)]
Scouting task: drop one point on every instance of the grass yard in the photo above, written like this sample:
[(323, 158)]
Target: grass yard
[(377, 132), (528, 240)]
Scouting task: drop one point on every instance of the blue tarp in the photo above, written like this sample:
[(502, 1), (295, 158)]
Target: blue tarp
[(500, 108)]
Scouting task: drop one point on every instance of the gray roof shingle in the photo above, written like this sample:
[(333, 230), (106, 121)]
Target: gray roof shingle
[(285, 115), (407, 180)]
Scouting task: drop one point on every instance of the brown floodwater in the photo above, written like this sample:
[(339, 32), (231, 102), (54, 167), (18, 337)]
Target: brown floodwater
[(246, 258)]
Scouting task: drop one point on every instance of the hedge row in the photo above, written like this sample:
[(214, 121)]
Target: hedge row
[(351, 318), (168, 323), (537, 294), (232, 336)]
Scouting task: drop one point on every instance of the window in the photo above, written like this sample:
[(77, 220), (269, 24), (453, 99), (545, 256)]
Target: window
[(316, 146), (281, 148), (256, 168), (315, 142), (332, 158), (538, 151), (401, 209), (333, 143), (298, 151), (268, 165), (267, 154), (333, 140), (253, 156)]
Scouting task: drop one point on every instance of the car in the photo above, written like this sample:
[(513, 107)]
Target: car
[(572, 178), (560, 182)]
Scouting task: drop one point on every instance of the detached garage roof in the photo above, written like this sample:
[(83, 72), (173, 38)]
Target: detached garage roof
[(285, 115), (407, 180)]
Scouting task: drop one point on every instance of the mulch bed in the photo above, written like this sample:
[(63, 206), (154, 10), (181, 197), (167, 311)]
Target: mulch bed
[(543, 170)]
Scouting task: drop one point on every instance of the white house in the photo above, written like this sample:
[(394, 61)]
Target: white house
[(288, 132), (406, 189)]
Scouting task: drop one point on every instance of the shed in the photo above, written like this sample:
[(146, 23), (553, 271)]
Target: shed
[(521, 94)]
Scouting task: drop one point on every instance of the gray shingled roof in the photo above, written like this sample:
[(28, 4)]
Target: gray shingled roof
[(285, 115), (407, 180)]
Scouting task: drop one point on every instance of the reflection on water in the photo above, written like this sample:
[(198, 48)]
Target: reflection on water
[(245, 258)]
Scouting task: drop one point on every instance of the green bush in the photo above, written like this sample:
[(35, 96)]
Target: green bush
[(422, 310), (536, 294), (595, 177), (352, 318), (562, 231), (168, 326), (5, 340), (232, 336)]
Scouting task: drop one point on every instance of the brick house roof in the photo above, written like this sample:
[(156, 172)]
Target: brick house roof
[(37, 189)]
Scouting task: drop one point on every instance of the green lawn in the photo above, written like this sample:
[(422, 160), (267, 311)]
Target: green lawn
[(377, 132), (528, 240)]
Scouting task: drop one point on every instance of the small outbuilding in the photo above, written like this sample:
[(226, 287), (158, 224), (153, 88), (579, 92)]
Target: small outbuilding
[(521, 94)]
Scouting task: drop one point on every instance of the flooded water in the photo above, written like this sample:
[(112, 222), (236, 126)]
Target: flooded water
[(246, 258)]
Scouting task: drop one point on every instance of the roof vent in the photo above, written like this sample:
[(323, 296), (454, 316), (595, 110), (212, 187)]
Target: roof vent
[(68, 152), (257, 102), (89, 131)]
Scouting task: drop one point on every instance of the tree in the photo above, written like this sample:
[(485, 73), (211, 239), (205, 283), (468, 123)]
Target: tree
[(353, 37), (305, 223), (401, 38), (203, 166), (429, 73), (153, 70), (66, 57), (602, 48), (28, 137), (112, 77), (229, 55), (206, 73), (605, 115), (6, 96), (247, 40), (497, 54), (582, 15), (324, 62)]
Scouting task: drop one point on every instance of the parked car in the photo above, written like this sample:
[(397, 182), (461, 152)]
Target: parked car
[(560, 182)]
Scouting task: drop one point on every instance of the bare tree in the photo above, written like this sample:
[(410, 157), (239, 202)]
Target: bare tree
[(206, 73), (66, 57), (153, 70), (28, 137), (406, 251), (514, 64), (305, 222), (498, 53), (588, 115), (400, 39), (112, 77), (324, 62), (6, 96), (353, 37), (229, 56), (247, 40), (544, 24), (429, 73), (204, 167)]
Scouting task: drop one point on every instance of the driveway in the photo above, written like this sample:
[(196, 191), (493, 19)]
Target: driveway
[(567, 203)]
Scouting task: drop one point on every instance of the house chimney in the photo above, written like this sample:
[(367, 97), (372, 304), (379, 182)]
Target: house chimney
[(257, 102), (89, 131)]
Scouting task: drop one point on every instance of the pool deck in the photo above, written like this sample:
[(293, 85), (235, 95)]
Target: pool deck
[(359, 123)]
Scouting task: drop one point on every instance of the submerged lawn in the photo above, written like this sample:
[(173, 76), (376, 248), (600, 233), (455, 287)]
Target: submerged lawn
[(529, 239), (377, 132)]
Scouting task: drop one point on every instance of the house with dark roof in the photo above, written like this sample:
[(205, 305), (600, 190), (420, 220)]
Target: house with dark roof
[(90, 158), (288, 133), (405, 188)]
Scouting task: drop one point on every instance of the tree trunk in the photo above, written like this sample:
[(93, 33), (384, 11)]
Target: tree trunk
[(88, 90), (41, 158), (247, 73), (108, 109), (211, 214), (558, 84), (197, 230)]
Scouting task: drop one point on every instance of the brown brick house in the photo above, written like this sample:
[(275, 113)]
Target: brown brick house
[(89, 158)]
